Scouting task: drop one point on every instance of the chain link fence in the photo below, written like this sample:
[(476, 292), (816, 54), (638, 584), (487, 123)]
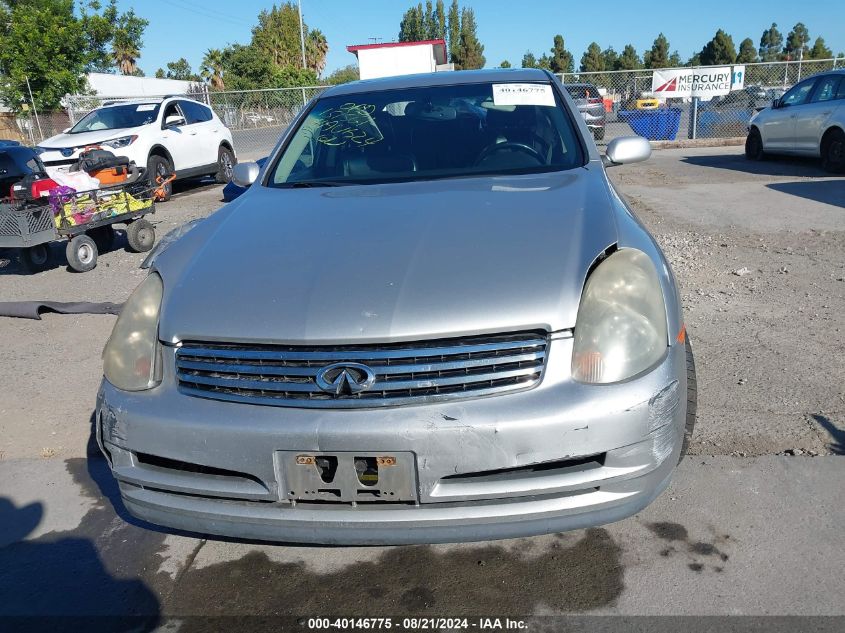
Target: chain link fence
[(621, 103), (257, 118)]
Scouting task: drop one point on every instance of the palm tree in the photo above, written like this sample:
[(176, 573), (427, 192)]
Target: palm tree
[(316, 48), (125, 54), (212, 68)]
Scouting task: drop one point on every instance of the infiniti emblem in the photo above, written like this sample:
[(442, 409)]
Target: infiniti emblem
[(345, 379)]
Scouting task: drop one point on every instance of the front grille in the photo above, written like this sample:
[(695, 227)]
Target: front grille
[(405, 373)]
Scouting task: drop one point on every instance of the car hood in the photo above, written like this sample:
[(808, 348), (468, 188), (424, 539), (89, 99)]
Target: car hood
[(84, 138), (393, 262)]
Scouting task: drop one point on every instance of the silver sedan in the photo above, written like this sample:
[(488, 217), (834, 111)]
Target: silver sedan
[(430, 318), (809, 120)]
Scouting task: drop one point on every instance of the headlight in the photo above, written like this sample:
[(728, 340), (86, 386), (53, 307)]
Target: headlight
[(621, 325), (117, 143), (130, 356)]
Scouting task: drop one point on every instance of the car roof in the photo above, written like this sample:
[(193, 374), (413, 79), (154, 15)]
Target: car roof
[(448, 78)]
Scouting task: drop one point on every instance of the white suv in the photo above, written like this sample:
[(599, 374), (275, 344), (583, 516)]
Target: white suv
[(168, 135)]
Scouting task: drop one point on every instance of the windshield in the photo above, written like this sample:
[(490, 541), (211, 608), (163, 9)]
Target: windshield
[(430, 132), (117, 117)]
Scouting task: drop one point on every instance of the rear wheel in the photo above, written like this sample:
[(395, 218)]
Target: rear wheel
[(81, 253), (225, 165), (833, 151), (160, 169), (692, 400), (36, 258), (141, 236), (754, 145)]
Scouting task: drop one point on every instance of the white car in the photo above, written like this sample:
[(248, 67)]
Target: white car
[(809, 120), (168, 135)]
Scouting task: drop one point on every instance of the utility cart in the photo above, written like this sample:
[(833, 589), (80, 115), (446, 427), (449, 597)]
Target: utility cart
[(85, 219)]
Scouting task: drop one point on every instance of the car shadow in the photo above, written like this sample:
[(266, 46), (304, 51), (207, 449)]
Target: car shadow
[(837, 446), (772, 166), (192, 185), (830, 192)]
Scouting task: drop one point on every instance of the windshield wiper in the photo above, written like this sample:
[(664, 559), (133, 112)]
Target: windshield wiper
[(315, 183)]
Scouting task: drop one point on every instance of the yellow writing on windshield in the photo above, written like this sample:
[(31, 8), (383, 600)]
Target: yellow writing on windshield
[(350, 123)]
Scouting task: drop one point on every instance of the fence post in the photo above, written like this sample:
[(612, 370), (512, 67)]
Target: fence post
[(35, 110)]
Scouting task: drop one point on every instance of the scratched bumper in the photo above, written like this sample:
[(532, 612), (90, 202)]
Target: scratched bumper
[(605, 452)]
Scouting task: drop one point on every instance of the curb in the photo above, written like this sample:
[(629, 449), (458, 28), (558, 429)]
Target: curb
[(699, 142)]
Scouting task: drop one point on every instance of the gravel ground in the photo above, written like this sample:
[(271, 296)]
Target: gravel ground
[(759, 252)]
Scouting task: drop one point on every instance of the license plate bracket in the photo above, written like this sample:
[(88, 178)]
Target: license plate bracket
[(348, 476)]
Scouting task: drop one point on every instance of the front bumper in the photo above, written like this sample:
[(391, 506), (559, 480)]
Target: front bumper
[(632, 430)]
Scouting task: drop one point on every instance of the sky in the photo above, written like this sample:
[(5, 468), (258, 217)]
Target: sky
[(507, 28)]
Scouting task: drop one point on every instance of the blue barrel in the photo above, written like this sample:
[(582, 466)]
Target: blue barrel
[(656, 125)]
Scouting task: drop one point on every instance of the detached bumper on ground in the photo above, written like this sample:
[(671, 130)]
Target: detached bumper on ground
[(557, 457)]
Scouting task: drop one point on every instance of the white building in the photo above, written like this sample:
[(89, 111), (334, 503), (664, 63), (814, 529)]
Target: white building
[(400, 58), (108, 85)]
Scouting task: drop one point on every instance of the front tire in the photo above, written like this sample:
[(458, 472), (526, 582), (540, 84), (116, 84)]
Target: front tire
[(692, 400), (225, 165), (160, 167), (81, 253), (833, 151), (754, 145)]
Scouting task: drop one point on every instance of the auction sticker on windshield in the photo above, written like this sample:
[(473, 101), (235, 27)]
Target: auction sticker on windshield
[(523, 94)]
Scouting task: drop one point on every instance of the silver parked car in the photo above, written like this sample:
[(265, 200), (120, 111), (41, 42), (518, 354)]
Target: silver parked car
[(430, 318), (808, 120)]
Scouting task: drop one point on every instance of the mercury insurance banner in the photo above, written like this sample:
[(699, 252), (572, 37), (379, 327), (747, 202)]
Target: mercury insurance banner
[(698, 82)]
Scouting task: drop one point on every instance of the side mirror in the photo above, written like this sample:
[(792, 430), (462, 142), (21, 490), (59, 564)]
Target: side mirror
[(174, 120), (775, 104), (626, 149), (244, 174), (66, 130)]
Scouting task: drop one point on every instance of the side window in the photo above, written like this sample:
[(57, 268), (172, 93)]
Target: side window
[(172, 112), (195, 112), (840, 94), (798, 94), (826, 88)]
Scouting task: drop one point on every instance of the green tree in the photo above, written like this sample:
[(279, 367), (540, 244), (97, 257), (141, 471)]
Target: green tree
[(747, 52), (99, 32), (770, 44), (429, 22), (719, 50), (343, 75), (796, 41), (42, 40), (545, 62), (610, 57), (211, 69), (277, 35), (658, 55), (160, 74), (454, 28), (412, 26), (561, 60), (248, 67), (505, 64), (440, 19), (528, 60), (695, 60), (471, 50), (674, 60), (820, 50), (629, 59), (127, 41), (181, 70), (593, 61), (316, 49)]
